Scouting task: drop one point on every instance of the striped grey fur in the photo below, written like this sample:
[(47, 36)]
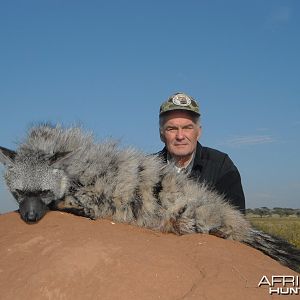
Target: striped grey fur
[(64, 169)]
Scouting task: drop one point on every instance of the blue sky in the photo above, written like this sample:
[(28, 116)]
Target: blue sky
[(108, 65)]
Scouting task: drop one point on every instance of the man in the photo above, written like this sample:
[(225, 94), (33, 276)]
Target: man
[(180, 129)]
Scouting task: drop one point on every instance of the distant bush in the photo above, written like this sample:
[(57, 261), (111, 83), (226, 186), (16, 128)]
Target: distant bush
[(265, 211)]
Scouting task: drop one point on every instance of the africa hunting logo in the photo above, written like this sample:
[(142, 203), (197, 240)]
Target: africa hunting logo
[(281, 284)]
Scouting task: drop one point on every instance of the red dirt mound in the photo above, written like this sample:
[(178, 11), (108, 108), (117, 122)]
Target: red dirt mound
[(69, 257)]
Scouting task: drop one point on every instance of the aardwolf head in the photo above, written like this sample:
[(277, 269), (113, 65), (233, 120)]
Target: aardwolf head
[(35, 179)]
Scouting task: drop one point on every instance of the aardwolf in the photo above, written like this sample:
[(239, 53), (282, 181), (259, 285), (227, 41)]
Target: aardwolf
[(64, 169)]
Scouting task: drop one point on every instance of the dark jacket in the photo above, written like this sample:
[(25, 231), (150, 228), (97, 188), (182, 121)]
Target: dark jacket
[(216, 169)]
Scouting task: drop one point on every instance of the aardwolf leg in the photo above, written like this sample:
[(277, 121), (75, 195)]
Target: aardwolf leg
[(69, 204)]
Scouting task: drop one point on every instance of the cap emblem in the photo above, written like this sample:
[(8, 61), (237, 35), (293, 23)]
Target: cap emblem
[(181, 100)]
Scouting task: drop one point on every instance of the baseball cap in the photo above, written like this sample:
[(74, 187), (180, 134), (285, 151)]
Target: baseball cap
[(180, 101)]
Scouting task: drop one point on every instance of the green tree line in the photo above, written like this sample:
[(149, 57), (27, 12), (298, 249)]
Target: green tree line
[(265, 211)]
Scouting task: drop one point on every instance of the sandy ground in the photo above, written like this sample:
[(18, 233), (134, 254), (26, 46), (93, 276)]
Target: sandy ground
[(69, 257)]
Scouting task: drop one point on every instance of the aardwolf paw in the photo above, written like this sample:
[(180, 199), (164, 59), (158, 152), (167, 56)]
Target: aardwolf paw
[(216, 231)]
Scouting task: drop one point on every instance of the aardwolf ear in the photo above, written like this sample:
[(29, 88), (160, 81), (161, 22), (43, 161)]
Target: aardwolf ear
[(61, 158), (7, 156)]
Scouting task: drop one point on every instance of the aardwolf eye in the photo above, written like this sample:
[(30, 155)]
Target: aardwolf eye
[(19, 195), (19, 192), (44, 193), (47, 196)]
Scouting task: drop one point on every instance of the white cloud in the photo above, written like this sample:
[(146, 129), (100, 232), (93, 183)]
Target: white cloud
[(250, 140), (263, 196), (295, 185), (263, 129), (296, 123), (279, 16)]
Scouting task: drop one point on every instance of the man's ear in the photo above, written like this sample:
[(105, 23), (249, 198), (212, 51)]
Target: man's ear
[(199, 132), (7, 156), (162, 137)]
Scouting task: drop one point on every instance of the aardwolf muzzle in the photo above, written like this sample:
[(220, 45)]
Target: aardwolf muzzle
[(32, 209)]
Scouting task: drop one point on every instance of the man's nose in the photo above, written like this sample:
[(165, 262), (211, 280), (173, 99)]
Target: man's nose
[(179, 134)]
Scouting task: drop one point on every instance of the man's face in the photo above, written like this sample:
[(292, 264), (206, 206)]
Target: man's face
[(180, 133)]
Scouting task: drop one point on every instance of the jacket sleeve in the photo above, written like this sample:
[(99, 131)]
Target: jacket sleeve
[(229, 183)]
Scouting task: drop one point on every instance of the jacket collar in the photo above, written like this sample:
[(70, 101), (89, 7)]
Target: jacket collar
[(198, 157)]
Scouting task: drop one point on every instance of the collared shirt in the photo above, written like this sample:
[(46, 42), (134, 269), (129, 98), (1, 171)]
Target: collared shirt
[(186, 169)]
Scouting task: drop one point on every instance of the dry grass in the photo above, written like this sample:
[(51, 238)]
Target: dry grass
[(285, 227)]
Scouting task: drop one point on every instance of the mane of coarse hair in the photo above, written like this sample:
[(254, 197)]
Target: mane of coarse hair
[(53, 139), (89, 160)]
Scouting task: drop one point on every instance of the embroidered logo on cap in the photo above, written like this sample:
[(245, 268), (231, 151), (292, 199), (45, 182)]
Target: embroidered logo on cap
[(181, 100)]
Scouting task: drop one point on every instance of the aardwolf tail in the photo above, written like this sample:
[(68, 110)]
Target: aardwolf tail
[(276, 248)]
